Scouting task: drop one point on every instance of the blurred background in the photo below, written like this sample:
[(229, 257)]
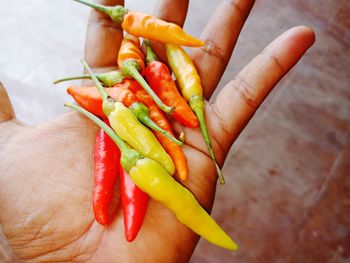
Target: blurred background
[(287, 196)]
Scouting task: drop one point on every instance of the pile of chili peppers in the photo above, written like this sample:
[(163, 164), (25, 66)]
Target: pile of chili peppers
[(135, 139)]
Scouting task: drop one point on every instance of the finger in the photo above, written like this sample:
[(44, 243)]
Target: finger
[(220, 35), (103, 38), (6, 110), (170, 11), (240, 98)]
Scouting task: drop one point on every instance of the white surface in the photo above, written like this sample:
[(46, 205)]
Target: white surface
[(44, 40), (40, 42)]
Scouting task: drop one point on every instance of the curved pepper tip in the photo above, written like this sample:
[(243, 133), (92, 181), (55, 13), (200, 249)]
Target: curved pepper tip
[(130, 238), (101, 218), (234, 247), (201, 43)]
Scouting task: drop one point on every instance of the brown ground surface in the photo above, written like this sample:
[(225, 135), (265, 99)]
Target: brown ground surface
[(287, 197)]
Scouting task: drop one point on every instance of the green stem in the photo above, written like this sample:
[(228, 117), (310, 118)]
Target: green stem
[(150, 55), (86, 76), (115, 12), (131, 68), (198, 106), (145, 119), (100, 88), (107, 101), (129, 155), (141, 112), (108, 78), (102, 8), (108, 130)]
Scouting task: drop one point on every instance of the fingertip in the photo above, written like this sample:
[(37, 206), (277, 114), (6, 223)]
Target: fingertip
[(306, 34), (289, 47), (299, 37)]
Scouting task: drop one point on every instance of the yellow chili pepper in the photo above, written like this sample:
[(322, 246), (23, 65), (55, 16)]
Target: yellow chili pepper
[(163, 188), (154, 180), (126, 125), (191, 88), (146, 26)]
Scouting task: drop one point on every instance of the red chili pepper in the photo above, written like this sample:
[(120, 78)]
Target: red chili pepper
[(106, 168), (134, 203), (159, 78)]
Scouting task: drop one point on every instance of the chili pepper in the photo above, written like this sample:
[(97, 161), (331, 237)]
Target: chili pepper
[(146, 26), (153, 179), (157, 116), (106, 169), (159, 78), (126, 125), (109, 79), (191, 88), (134, 203), (90, 99), (130, 61)]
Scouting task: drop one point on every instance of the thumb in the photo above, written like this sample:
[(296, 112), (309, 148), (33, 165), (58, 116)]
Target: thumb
[(6, 110)]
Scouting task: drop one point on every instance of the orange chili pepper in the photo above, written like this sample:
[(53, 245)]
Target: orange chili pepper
[(130, 50), (90, 99), (146, 26), (158, 117)]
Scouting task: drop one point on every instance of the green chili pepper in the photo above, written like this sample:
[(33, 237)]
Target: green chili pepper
[(154, 180), (191, 88)]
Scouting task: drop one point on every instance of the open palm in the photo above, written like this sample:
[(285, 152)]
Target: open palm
[(46, 171)]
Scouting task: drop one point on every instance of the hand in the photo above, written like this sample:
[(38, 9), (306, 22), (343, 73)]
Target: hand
[(46, 171)]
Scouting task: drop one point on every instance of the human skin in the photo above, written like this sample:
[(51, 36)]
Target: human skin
[(46, 171)]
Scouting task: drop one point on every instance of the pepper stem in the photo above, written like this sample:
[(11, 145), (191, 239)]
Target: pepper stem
[(108, 130), (86, 76), (145, 119), (102, 8), (100, 88), (130, 68), (198, 106), (150, 55), (141, 112), (129, 155), (108, 78), (115, 12)]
